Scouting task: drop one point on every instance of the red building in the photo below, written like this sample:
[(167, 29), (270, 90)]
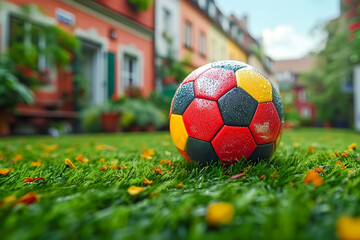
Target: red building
[(293, 93), (116, 52)]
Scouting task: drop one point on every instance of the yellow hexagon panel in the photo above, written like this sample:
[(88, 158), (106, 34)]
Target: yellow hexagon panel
[(255, 84), (178, 131)]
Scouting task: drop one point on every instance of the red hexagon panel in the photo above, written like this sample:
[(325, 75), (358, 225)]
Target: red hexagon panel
[(196, 73), (202, 119), (265, 125), (214, 83), (232, 143)]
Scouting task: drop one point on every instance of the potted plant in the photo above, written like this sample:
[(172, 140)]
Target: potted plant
[(12, 92), (140, 5), (110, 117)]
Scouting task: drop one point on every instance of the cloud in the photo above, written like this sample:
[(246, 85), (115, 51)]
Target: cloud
[(285, 43)]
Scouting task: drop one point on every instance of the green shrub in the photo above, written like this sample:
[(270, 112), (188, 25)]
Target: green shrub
[(91, 120)]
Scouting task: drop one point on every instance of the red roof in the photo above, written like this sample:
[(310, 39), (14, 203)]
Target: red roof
[(293, 65)]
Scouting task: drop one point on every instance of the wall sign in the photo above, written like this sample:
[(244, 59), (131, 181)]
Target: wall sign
[(65, 17)]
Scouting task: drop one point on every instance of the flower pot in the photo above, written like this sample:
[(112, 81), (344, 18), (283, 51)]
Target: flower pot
[(150, 128), (4, 123), (110, 122), (327, 124)]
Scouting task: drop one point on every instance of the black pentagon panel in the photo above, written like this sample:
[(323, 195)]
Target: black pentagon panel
[(278, 104), (237, 107), (229, 64), (263, 151), (200, 151), (183, 98)]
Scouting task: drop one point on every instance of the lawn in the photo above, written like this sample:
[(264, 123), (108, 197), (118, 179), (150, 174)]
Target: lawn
[(270, 201)]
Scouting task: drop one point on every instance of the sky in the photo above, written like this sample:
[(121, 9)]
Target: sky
[(288, 29)]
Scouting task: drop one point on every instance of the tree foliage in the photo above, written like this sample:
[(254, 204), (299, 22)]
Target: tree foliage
[(327, 83)]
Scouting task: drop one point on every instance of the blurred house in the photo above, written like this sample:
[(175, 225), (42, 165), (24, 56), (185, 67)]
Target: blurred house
[(293, 93), (116, 55), (124, 49), (198, 31)]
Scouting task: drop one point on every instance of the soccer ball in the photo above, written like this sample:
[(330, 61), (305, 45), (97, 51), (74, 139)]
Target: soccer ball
[(226, 111)]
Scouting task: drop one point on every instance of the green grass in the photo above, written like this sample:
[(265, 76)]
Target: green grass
[(88, 203)]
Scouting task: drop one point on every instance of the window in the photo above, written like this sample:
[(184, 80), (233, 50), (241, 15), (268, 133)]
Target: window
[(202, 43), (188, 35), (305, 112), (167, 22), (302, 95), (240, 36), (130, 72), (30, 36)]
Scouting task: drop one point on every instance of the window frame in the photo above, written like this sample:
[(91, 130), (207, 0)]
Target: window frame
[(188, 41), (202, 44)]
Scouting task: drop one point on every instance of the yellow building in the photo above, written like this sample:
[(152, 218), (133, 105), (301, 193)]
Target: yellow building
[(235, 52), (217, 44)]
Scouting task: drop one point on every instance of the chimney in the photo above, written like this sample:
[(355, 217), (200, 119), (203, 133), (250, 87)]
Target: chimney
[(245, 19)]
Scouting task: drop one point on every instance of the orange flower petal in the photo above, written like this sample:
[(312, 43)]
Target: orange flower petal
[(319, 169), (158, 170), (104, 168), (28, 199), (262, 177), (29, 179), (148, 182), (314, 178), (341, 164), (17, 157)]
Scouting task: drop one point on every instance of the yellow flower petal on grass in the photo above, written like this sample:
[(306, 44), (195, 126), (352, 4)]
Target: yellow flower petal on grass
[(314, 178), (36, 164), (115, 167), (352, 146), (348, 228), (70, 150), (180, 185), (219, 214), (134, 190), (147, 153), (8, 199), (148, 182), (81, 158), (104, 147), (5, 171), (51, 148), (69, 163)]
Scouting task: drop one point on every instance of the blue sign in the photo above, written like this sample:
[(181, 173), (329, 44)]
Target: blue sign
[(65, 17)]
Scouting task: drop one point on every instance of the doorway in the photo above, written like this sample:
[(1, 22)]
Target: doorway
[(92, 66)]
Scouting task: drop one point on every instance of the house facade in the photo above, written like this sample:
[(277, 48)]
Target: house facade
[(116, 51)]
